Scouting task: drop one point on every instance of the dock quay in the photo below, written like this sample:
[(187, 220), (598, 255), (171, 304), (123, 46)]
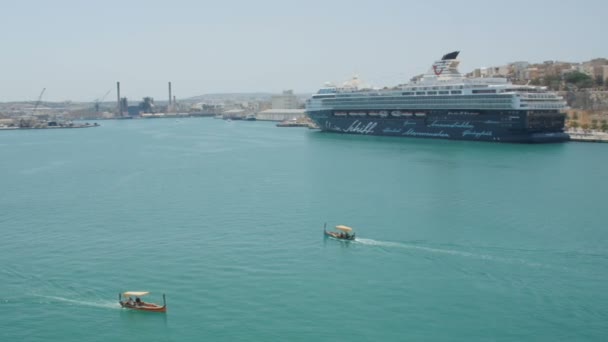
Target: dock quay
[(38, 124), (588, 136)]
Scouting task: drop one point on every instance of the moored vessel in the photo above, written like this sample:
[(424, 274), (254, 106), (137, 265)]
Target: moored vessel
[(443, 104)]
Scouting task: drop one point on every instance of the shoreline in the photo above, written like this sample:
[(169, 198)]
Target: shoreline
[(49, 127)]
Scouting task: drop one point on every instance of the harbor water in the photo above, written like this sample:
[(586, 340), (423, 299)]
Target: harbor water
[(456, 241)]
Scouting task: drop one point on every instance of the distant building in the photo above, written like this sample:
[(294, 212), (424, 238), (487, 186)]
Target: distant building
[(124, 104), (519, 69), (499, 71), (594, 67), (287, 100), (133, 110), (147, 105), (280, 114), (557, 68), (532, 73), (579, 67)]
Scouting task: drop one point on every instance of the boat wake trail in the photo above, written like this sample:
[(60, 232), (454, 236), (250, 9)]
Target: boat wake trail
[(453, 252), (99, 304), (422, 248)]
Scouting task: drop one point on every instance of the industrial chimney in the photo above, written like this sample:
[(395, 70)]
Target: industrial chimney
[(118, 98), (170, 94)]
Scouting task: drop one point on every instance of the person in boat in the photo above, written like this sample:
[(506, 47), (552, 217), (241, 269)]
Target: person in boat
[(137, 301), (130, 301)]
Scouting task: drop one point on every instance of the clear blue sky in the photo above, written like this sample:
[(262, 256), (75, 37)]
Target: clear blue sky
[(79, 49)]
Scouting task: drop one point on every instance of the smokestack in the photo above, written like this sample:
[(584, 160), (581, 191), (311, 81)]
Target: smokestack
[(118, 96), (170, 94)]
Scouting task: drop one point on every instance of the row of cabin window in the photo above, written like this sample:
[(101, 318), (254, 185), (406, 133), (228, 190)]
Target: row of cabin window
[(461, 104), (459, 99), (453, 92), (443, 92), (436, 88), (502, 114), (449, 106)]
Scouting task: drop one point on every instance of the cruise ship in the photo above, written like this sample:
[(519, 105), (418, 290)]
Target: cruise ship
[(443, 104)]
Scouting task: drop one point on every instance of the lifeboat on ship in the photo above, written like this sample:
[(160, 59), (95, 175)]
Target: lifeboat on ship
[(138, 304)]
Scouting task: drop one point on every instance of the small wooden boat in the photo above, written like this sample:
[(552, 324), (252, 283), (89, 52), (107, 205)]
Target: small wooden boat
[(345, 233), (138, 304)]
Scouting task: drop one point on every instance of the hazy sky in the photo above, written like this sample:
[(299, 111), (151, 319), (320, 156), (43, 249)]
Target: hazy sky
[(79, 49)]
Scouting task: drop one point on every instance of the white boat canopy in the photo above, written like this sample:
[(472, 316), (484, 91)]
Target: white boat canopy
[(344, 228), (135, 293)]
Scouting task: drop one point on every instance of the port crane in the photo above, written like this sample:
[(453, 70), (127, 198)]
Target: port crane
[(98, 101), (38, 101)]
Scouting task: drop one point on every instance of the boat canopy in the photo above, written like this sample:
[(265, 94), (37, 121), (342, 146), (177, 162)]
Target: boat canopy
[(344, 228), (135, 293)]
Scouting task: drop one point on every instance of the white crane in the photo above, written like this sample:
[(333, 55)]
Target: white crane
[(98, 101), (38, 101)]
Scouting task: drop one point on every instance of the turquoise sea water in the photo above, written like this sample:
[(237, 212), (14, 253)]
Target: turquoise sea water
[(457, 241)]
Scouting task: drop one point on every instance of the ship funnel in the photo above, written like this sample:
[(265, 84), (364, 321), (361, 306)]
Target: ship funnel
[(451, 55), (447, 67)]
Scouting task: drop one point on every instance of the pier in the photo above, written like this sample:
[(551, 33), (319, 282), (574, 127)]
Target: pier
[(588, 136)]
